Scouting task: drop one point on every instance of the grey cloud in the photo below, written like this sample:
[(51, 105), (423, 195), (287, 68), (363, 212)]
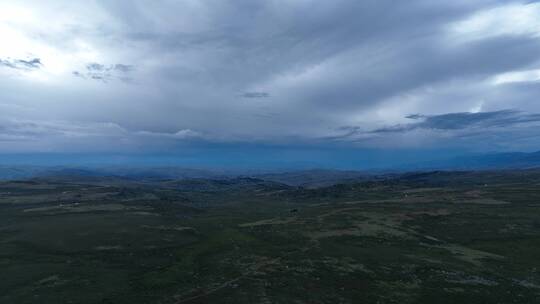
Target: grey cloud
[(256, 95), (180, 134), (105, 73), (457, 121), (96, 136), (31, 64), (473, 132), (125, 68), (21, 64), (96, 67), (44, 129), (465, 130), (77, 74)]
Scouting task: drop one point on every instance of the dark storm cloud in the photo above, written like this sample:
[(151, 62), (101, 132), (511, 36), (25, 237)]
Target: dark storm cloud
[(418, 64), (322, 64), (360, 52), (34, 63), (242, 44)]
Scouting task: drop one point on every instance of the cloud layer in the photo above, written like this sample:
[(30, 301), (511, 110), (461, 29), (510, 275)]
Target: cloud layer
[(126, 75)]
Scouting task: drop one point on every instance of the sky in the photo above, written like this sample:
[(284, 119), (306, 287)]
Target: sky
[(344, 82)]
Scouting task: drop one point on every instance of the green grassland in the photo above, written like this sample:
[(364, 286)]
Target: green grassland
[(440, 237)]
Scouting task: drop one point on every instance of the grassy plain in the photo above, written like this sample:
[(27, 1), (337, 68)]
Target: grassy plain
[(440, 237)]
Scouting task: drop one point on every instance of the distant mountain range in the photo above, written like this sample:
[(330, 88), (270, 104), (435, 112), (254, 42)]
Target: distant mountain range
[(315, 177), (491, 161), (303, 178), (138, 173)]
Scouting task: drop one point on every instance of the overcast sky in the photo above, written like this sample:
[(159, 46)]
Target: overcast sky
[(160, 76)]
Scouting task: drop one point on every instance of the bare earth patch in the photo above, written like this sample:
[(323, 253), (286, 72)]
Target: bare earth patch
[(272, 221), (470, 255)]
